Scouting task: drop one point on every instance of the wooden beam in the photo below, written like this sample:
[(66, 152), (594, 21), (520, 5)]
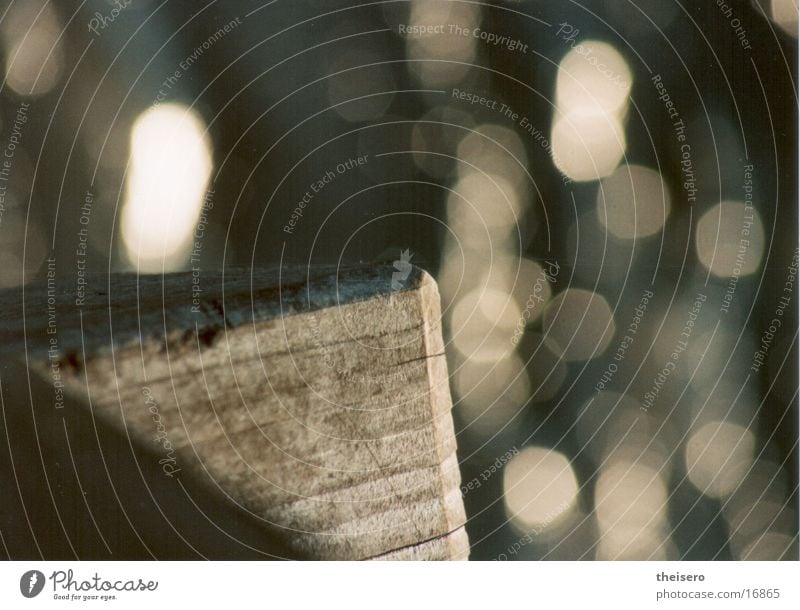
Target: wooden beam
[(316, 401)]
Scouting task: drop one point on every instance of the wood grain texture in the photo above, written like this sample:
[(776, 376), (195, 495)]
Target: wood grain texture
[(318, 403)]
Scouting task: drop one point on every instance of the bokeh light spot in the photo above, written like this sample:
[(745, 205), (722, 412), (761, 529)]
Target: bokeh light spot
[(722, 244), (633, 202), (169, 170), (587, 147), (540, 488), (718, 456), (593, 78), (580, 323)]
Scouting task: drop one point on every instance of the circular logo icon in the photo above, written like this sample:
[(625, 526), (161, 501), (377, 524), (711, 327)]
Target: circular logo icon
[(31, 583)]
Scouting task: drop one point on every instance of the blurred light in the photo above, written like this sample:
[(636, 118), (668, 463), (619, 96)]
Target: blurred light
[(375, 85), (34, 60), (631, 511), (587, 147), (718, 456), (169, 170), (630, 494), (489, 395), (495, 150), (751, 522), (759, 504), (765, 482), (595, 80), (784, 15), (425, 13), (770, 547), (724, 399), (631, 543), (633, 202), (721, 245), (440, 59), (539, 488), (592, 89), (580, 323), (491, 305), (481, 324), (527, 281), (482, 206)]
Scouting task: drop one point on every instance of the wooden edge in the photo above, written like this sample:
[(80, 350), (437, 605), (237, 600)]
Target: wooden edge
[(450, 547)]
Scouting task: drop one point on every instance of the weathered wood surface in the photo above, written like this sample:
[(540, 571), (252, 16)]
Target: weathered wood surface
[(317, 403)]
